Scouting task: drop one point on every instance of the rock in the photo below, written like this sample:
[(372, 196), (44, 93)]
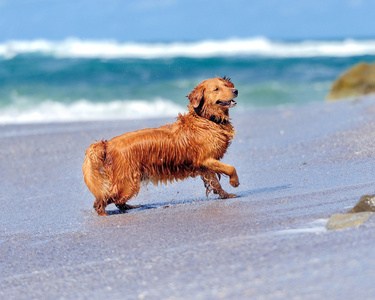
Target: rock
[(358, 80), (366, 203), (347, 220), (356, 216)]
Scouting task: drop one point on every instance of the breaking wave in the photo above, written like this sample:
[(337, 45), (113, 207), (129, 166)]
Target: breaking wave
[(84, 110), (256, 46)]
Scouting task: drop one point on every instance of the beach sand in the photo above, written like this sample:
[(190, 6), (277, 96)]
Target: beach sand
[(297, 166)]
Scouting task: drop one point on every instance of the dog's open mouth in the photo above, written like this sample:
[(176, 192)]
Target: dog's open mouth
[(229, 103)]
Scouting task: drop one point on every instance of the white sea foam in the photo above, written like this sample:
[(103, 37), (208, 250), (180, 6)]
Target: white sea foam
[(316, 226), (83, 110), (258, 46)]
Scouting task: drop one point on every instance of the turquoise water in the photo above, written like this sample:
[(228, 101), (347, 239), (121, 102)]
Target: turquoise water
[(40, 85)]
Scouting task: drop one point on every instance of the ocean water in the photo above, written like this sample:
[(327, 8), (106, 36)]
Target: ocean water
[(77, 80)]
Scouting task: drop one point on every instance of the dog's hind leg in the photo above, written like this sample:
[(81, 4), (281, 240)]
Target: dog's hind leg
[(127, 193), (127, 206), (99, 206), (212, 184)]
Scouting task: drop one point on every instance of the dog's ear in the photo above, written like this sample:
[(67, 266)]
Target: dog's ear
[(228, 81), (196, 96)]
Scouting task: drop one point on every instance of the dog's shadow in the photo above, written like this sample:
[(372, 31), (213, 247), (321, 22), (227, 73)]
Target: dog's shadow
[(158, 205), (174, 202), (265, 190)]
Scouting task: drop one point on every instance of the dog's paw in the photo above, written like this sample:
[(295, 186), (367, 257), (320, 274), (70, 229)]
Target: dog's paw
[(225, 195), (102, 213), (125, 206), (234, 182)]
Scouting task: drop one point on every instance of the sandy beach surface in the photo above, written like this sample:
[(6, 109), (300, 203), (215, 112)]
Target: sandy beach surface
[(297, 166)]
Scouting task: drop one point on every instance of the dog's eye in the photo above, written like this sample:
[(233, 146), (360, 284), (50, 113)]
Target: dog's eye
[(216, 89)]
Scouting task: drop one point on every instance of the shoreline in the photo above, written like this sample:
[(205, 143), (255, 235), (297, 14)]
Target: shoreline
[(297, 165)]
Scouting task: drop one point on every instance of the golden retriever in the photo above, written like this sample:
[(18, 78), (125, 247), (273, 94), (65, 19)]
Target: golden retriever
[(113, 170)]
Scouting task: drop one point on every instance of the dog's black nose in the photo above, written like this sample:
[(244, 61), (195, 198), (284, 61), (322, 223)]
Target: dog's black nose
[(235, 92)]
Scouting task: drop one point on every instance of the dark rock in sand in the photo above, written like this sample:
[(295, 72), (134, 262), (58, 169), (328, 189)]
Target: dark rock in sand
[(358, 80), (366, 203)]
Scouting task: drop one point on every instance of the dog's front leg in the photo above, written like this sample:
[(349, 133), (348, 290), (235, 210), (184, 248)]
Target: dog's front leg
[(212, 184), (218, 167)]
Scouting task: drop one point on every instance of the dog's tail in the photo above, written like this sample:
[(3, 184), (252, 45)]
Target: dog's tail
[(95, 171)]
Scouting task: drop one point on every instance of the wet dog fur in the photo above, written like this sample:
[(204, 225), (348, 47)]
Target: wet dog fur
[(192, 146)]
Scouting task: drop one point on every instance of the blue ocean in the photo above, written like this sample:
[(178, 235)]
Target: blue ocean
[(78, 80)]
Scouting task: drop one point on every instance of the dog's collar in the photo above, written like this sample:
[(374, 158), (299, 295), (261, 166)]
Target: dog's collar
[(218, 120), (213, 118)]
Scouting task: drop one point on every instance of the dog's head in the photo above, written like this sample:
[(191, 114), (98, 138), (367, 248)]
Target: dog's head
[(213, 97)]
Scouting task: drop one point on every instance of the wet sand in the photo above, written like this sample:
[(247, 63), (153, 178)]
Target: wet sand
[(297, 166)]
